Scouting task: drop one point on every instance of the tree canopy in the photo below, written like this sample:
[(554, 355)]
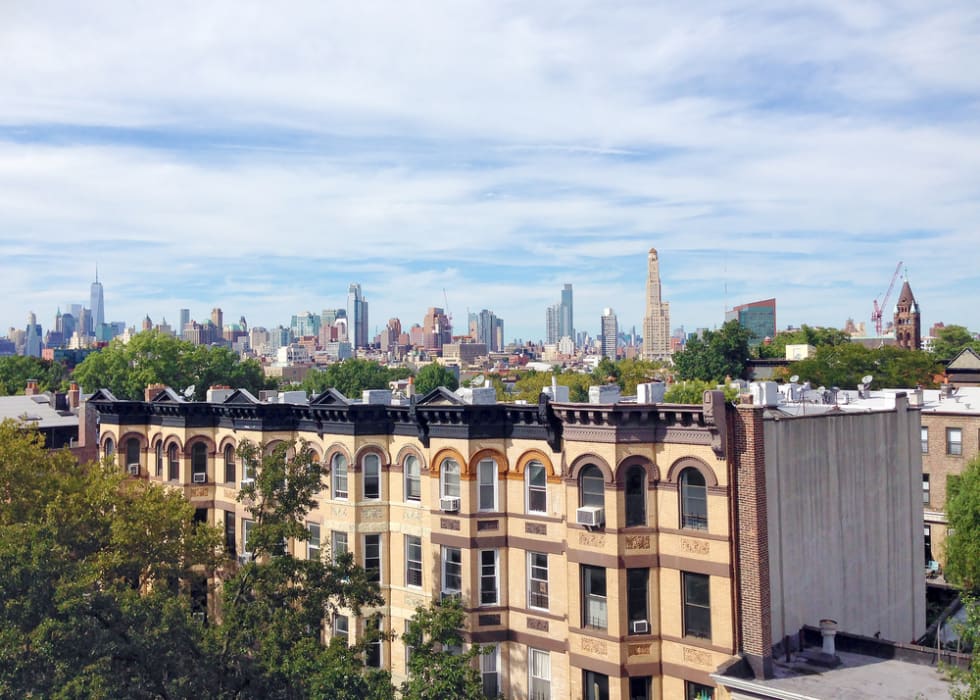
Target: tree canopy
[(151, 357), (15, 370), (716, 355), (435, 375), (804, 335), (845, 365), (352, 376), (963, 566), (951, 340)]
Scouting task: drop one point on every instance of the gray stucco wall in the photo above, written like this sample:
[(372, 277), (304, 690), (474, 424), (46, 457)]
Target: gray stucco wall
[(845, 522)]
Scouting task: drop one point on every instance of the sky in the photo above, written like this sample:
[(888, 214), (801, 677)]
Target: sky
[(261, 156)]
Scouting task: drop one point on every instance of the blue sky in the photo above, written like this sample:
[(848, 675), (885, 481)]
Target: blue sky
[(244, 156)]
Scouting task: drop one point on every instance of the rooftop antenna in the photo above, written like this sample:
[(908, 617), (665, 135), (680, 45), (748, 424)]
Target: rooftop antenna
[(477, 381), (189, 391)]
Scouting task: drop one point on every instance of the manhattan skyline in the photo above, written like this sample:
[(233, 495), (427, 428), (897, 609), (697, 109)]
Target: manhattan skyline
[(262, 162)]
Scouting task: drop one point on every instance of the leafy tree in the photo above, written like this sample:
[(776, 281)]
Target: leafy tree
[(532, 383), (435, 375), (692, 392), (845, 365), (631, 372), (351, 377), (951, 340), (151, 357), (716, 355), (438, 667), (805, 335), (15, 370), (963, 566)]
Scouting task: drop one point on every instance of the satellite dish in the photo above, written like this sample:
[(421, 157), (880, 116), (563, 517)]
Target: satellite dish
[(477, 381), (795, 378), (189, 391), (866, 379)]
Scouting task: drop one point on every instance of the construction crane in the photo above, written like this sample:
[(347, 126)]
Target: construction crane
[(449, 314), (876, 314)]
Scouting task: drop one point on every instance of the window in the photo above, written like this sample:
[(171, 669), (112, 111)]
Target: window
[(159, 456), (230, 533), (487, 482), (927, 541), (694, 500), (536, 480), (338, 544), (696, 691), (199, 459), (449, 478), (594, 611), (110, 448), (372, 477), (248, 468), (595, 685), (636, 496), (637, 586), (341, 627), (246, 534), (413, 561), (488, 577), (313, 544), (924, 433), (452, 570), (132, 451), (408, 647), (591, 492), (338, 468), (372, 636), (537, 580), (539, 674), (173, 472), (413, 479), (640, 688), (697, 605), (490, 670), (954, 441), (229, 464), (925, 489), (372, 557)]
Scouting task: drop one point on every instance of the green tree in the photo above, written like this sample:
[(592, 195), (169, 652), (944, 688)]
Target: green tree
[(438, 667), (692, 392), (805, 335), (351, 377), (434, 375), (963, 566), (15, 370), (951, 340), (845, 365), (716, 355), (631, 372)]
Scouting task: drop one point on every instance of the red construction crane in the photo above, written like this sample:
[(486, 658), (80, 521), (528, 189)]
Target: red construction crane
[(876, 314)]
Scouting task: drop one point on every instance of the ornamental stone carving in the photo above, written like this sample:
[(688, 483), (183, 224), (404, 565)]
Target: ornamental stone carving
[(702, 547), (638, 542), (638, 649), (591, 539), (372, 513), (697, 656), (593, 646)]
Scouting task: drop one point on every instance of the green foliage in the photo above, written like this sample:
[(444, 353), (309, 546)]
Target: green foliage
[(631, 372), (716, 355), (438, 668), (532, 383), (805, 335), (151, 357), (844, 366), (351, 377), (434, 375), (15, 370), (966, 682), (963, 513), (951, 340), (692, 392)]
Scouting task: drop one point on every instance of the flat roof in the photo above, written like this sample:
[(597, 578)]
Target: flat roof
[(35, 409)]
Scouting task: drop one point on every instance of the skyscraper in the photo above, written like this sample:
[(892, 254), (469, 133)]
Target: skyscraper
[(758, 317), (566, 316), (185, 318), (610, 333), (489, 329), (656, 322), (97, 305), (552, 324), (357, 317), (32, 339)]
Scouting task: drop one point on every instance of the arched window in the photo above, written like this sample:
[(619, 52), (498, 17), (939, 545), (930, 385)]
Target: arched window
[(591, 488), (159, 458), (133, 452), (372, 476), (174, 463), (694, 500), (110, 448), (338, 470), (413, 479), (449, 478), (636, 497), (199, 462), (536, 482), (229, 464)]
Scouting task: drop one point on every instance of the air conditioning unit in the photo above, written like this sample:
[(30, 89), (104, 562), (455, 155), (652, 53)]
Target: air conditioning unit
[(639, 626), (245, 557), (200, 478), (590, 516), (449, 504), (247, 482), (134, 469)]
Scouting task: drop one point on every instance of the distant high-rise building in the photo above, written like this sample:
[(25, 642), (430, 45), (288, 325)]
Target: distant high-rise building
[(32, 338), (489, 330), (436, 329), (147, 323), (610, 333), (97, 305), (757, 317), (357, 317), (552, 324), (218, 320), (185, 318), (566, 316), (656, 322), (908, 324), (305, 324)]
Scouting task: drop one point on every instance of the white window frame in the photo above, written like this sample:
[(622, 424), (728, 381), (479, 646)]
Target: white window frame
[(339, 471), (413, 565), (341, 627), (339, 543), (413, 475), (376, 624), (371, 468), (490, 666), (529, 488), (375, 541), (486, 485), (924, 438), (925, 489), (247, 526), (313, 544), (542, 659), (536, 581), (489, 577), (450, 474), (954, 448), (446, 551)]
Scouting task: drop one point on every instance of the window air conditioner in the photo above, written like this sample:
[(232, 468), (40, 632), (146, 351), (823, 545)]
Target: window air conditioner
[(200, 478), (449, 504), (246, 482), (639, 626), (245, 557), (590, 516), (134, 469)]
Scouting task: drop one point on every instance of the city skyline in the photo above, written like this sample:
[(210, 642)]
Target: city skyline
[(262, 162)]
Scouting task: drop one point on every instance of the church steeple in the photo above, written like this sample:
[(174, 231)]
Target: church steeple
[(908, 325)]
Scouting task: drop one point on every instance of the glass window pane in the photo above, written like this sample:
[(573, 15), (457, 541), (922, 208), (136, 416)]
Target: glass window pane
[(413, 479)]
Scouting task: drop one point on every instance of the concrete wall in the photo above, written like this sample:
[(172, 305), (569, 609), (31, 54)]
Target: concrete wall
[(845, 529)]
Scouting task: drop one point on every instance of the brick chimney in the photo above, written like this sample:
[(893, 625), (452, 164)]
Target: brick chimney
[(31, 389), (74, 396), (152, 390)]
